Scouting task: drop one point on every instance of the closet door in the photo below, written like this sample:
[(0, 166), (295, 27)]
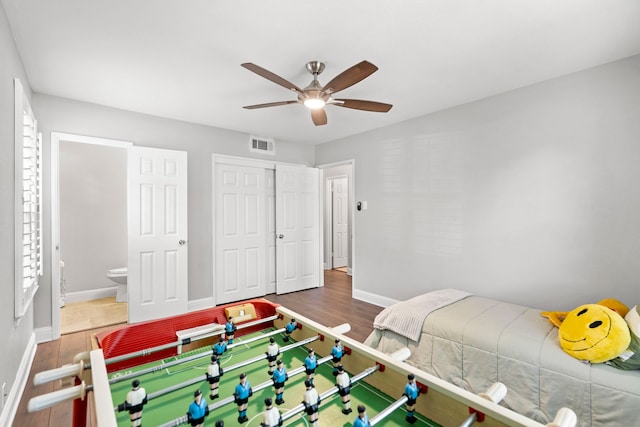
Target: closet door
[(297, 228), (240, 229)]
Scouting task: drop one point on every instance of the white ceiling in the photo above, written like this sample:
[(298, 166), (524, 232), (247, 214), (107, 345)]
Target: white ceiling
[(181, 59)]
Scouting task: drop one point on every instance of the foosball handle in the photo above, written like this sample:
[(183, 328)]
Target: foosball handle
[(59, 373), (564, 418), (44, 401)]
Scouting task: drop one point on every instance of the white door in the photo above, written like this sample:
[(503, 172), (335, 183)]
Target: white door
[(240, 228), (297, 228), (157, 222), (340, 222)]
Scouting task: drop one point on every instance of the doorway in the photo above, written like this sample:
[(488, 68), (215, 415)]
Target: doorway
[(338, 216), (77, 275)]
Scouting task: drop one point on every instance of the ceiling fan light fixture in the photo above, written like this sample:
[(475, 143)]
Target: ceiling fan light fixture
[(314, 103)]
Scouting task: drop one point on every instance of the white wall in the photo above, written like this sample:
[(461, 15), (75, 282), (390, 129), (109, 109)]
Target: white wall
[(531, 196), (93, 214), (68, 116), (17, 336)]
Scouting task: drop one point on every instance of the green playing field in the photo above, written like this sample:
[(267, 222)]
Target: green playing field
[(171, 406)]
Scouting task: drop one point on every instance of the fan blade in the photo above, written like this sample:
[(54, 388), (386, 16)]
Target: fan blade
[(271, 76), (350, 77), (358, 104), (269, 104), (319, 116)]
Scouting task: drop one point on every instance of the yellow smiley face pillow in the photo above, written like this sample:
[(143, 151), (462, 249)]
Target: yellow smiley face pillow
[(594, 333)]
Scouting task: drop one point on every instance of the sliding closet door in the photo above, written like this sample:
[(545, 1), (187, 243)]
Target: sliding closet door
[(240, 229)]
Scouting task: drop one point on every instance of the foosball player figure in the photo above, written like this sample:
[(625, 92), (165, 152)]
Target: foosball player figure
[(311, 403), (289, 328), (214, 372), (362, 420), (279, 377), (198, 409), (336, 352), (411, 391), (343, 382), (220, 347), (273, 351), (230, 330), (241, 397), (135, 400), (271, 416), (219, 423), (310, 364)]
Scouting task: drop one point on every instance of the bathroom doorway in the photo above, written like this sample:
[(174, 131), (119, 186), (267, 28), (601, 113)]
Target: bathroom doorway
[(91, 218)]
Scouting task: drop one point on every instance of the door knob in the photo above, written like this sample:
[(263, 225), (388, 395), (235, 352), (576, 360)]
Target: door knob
[(280, 236), (182, 242)]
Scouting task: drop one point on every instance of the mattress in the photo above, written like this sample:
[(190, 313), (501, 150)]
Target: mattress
[(477, 341)]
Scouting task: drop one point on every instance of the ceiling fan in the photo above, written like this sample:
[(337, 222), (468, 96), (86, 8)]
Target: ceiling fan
[(315, 96)]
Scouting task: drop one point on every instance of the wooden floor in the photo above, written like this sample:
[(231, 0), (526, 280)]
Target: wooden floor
[(330, 305)]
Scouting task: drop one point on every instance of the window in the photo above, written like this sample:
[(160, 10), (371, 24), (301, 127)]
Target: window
[(28, 202)]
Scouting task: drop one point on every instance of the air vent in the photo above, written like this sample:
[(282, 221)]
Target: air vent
[(262, 145)]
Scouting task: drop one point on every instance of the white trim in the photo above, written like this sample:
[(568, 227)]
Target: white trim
[(91, 294), (43, 334), (56, 137), (374, 299), (17, 389)]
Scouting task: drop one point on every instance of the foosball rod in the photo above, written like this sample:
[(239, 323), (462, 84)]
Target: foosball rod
[(77, 368), (340, 329), (231, 399), (388, 410), (163, 365), (199, 379), (185, 341), (333, 390), (400, 355)]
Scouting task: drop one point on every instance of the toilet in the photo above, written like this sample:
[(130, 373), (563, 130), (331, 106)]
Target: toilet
[(119, 276)]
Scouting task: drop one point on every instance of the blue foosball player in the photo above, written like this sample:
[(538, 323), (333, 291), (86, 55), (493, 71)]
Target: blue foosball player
[(198, 410), (241, 396), (412, 392), (279, 377), (230, 330), (289, 328), (362, 420), (220, 347)]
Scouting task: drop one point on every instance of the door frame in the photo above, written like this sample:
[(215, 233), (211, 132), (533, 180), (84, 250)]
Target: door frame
[(56, 137), (351, 186), (266, 164)]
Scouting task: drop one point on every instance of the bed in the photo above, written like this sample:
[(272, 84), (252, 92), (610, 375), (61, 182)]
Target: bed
[(472, 342)]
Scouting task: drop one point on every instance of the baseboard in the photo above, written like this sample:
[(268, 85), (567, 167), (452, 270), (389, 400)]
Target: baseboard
[(374, 299), (43, 334), (90, 294), (13, 399)]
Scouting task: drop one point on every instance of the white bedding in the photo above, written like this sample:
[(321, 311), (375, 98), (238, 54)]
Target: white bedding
[(477, 341)]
